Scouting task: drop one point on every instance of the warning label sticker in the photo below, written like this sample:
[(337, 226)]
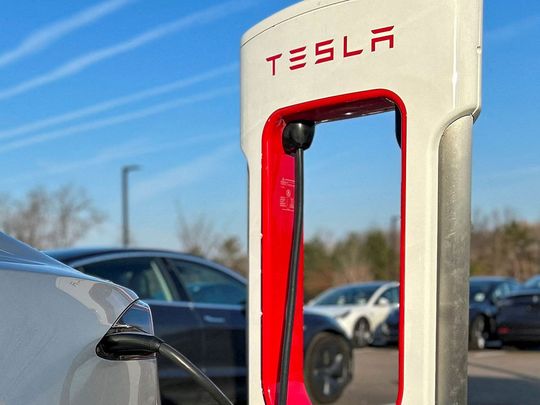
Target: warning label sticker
[(286, 194)]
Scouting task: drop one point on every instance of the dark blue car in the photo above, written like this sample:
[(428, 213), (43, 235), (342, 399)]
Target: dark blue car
[(518, 320), (199, 308), (484, 294)]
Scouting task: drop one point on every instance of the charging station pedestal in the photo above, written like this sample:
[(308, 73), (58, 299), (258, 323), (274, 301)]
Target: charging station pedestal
[(323, 60)]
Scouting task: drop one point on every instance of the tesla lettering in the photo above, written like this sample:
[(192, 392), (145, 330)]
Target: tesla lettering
[(325, 51)]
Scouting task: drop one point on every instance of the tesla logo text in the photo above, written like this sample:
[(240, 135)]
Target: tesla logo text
[(325, 51)]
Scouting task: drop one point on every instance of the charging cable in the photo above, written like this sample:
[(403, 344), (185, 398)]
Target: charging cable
[(129, 344), (297, 137)]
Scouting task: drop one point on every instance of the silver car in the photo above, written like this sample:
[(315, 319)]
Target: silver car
[(53, 318)]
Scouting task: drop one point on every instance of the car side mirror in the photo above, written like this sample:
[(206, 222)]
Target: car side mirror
[(383, 302)]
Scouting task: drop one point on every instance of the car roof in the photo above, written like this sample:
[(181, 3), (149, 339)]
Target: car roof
[(490, 279), (375, 284), (71, 256), (75, 254), (524, 293)]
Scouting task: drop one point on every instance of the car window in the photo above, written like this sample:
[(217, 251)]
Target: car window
[(501, 291), (392, 295), (533, 282), (513, 286), (204, 284), (341, 296), (361, 295), (140, 274)]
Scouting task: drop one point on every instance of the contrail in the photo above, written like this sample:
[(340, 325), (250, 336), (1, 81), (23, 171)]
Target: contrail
[(82, 62), (118, 119), (117, 102), (184, 174), (514, 29), (43, 38), (134, 148)]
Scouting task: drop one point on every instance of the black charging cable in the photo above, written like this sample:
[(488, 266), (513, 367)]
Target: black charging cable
[(297, 137), (127, 344)]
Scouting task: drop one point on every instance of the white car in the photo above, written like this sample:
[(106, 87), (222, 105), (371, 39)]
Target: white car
[(360, 309), (53, 321)]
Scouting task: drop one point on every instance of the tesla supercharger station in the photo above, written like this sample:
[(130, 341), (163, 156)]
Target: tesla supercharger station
[(324, 60)]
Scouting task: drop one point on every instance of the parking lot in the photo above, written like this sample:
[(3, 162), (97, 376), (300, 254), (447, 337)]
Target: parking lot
[(496, 377)]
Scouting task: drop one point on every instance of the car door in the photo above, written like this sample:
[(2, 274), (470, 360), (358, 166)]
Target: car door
[(175, 320), (383, 304), (219, 300)]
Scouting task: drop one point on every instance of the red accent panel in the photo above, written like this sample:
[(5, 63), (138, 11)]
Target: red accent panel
[(277, 220)]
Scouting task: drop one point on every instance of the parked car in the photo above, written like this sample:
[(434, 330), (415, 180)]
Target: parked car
[(359, 308), (518, 320), (484, 294), (532, 283), (389, 330), (199, 308), (52, 320)]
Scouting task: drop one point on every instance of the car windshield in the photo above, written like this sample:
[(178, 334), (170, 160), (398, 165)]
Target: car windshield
[(479, 292), (346, 296), (533, 282)]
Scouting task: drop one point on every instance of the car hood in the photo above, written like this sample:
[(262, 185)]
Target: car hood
[(335, 310), (478, 305)]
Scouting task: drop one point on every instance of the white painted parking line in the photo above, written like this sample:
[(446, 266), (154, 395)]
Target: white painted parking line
[(485, 354)]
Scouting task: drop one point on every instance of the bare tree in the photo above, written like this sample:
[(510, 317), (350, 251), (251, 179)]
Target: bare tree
[(504, 245), (351, 263), (231, 254), (197, 236), (47, 219)]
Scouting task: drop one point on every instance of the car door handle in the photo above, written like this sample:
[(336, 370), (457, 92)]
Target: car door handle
[(213, 319)]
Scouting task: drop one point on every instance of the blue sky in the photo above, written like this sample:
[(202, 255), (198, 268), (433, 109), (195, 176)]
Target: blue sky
[(89, 86)]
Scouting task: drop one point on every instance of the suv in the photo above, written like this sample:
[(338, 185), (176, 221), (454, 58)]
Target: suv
[(360, 308)]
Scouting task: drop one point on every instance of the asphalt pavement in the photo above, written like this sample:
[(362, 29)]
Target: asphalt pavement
[(496, 377)]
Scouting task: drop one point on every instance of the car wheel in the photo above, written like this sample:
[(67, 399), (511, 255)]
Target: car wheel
[(478, 335), (362, 335), (327, 369)]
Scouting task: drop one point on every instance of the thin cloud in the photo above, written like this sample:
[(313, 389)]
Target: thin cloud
[(118, 119), (82, 62), (117, 102), (508, 174), (184, 174), (129, 150), (43, 38), (514, 29)]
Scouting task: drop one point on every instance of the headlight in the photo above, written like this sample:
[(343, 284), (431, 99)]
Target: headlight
[(343, 314)]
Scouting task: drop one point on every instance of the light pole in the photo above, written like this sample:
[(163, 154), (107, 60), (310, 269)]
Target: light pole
[(125, 204)]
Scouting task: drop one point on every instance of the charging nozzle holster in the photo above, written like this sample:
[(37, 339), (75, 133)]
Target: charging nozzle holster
[(298, 135)]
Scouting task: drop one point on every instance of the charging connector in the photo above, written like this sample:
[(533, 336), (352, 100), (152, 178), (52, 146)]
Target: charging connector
[(132, 344), (297, 137)]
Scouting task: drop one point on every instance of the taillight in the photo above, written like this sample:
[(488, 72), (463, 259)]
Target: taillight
[(137, 318)]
